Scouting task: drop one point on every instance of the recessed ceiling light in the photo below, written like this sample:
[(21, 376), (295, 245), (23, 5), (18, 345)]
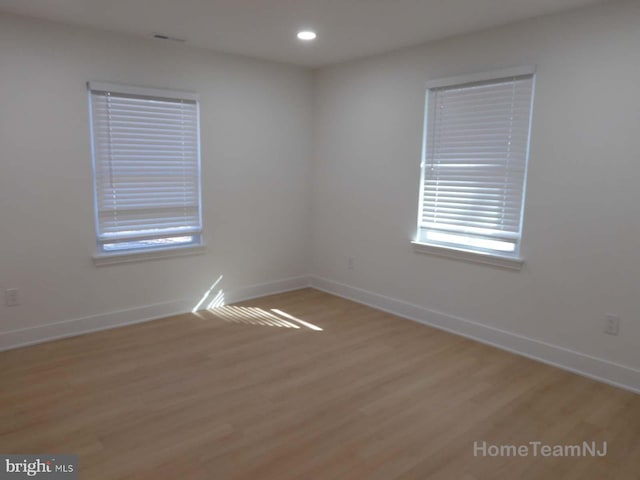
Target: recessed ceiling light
[(307, 35)]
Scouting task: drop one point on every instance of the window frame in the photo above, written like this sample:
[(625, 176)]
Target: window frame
[(102, 256), (513, 260)]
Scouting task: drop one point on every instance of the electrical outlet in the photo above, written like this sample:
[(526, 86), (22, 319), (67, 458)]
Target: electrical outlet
[(11, 297), (351, 263), (611, 324)]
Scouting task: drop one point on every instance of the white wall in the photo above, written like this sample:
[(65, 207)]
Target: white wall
[(362, 123), (582, 216), (256, 131)]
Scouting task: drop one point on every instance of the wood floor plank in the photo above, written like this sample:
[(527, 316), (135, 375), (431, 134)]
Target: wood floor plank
[(299, 386)]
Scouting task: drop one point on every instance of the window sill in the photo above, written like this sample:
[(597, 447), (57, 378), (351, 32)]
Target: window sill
[(511, 263), (102, 259)]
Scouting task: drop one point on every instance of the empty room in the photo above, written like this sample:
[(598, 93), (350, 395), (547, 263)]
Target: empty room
[(320, 240)]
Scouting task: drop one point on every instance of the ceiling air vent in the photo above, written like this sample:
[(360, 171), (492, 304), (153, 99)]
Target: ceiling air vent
[(162, 36)]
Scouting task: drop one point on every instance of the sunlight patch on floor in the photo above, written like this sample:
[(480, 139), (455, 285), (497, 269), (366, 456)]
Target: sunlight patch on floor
[(255, 316), (302, 322)]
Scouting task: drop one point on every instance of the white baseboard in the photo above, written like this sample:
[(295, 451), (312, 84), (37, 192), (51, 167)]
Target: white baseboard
[(79, 326), (596, 368)]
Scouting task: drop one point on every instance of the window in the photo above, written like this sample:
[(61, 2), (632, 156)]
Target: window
[(476, 146), (146, 167)]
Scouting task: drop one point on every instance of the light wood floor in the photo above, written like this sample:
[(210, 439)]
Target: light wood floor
[(238, 394)]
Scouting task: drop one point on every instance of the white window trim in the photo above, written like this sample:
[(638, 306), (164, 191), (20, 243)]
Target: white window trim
[(512, 262), (509, 262), (102, 259), (144, 91), (482, 76)]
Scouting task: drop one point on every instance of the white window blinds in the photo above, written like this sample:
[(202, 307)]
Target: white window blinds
[(474, 166), (146, 167)]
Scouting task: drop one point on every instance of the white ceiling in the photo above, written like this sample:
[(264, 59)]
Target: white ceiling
[(267, 29)]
